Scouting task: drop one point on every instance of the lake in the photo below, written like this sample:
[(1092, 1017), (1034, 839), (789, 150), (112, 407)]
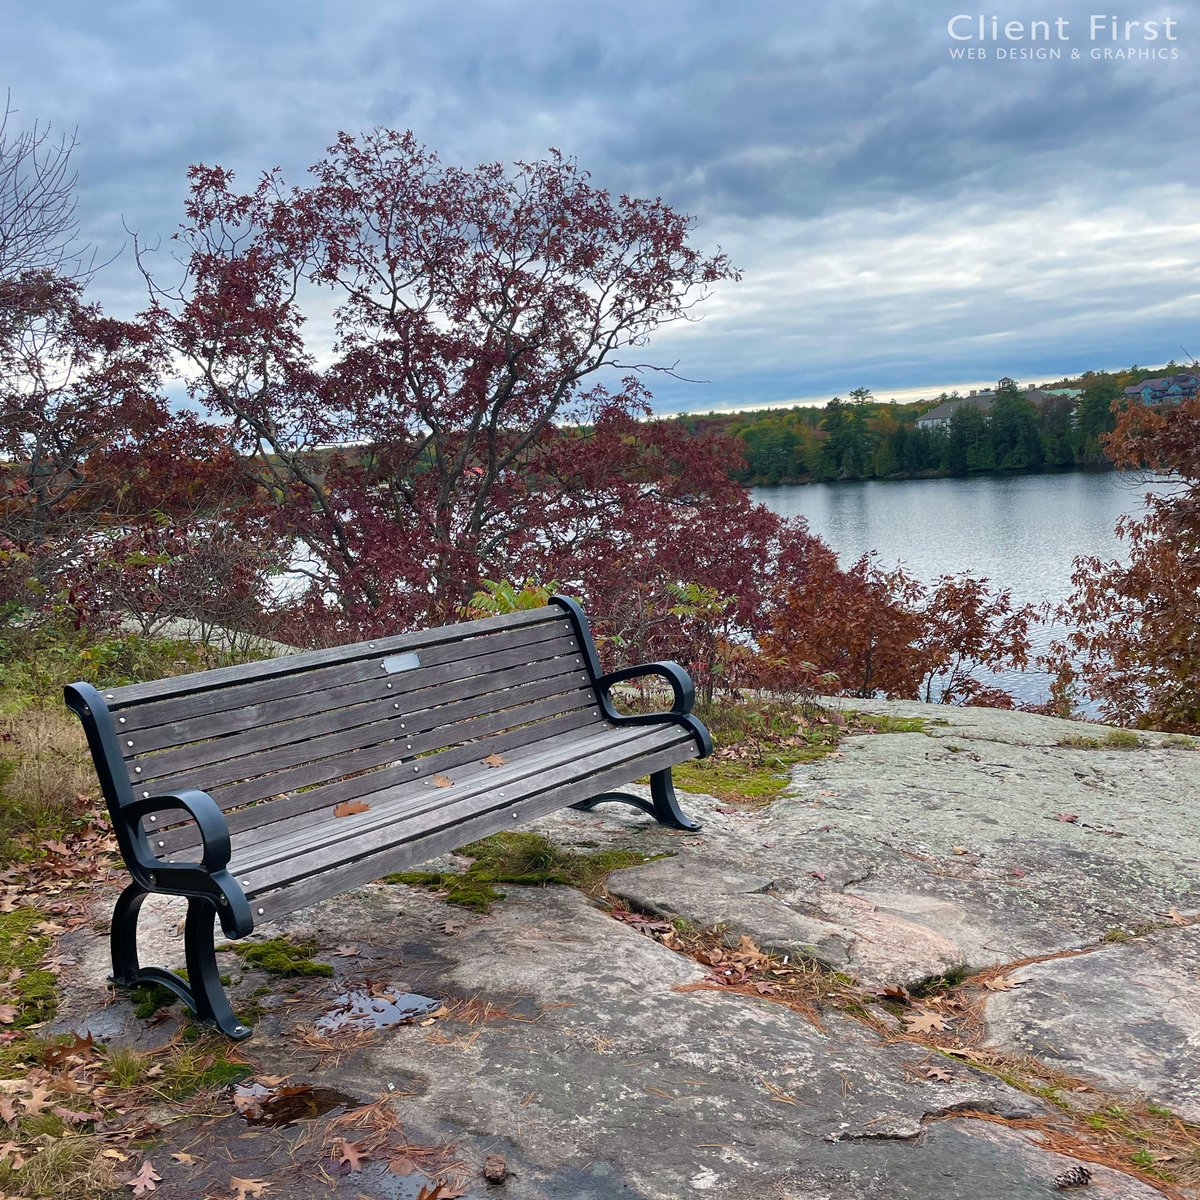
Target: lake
[(1020, 531)]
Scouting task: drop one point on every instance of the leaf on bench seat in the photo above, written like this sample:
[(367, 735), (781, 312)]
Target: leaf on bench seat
[(442, 781), (495, 760), (349, 807)]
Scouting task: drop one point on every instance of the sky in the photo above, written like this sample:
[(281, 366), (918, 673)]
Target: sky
[(904, 219)]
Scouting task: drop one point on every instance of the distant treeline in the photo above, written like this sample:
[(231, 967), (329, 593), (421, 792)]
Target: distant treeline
[(865, 438)]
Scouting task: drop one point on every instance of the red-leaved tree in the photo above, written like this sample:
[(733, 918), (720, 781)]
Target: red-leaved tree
[(470, 314), (1135, 642)]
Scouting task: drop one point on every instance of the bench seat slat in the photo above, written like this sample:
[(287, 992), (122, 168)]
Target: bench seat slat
[(202, 681), (286, 803), (470, 829), (405, 801), (308, 687)]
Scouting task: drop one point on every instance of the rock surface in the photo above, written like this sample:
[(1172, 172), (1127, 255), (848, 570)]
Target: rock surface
[(601, 1071)]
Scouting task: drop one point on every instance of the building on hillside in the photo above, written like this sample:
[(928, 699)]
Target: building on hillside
[(939, 416), (1164, 389)]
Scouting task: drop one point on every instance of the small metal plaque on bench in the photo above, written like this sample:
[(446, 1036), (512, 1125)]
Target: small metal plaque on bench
[(395, 663)]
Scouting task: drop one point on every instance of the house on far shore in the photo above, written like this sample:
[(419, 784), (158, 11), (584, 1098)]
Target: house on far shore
[(1164, 389), (936, 417)]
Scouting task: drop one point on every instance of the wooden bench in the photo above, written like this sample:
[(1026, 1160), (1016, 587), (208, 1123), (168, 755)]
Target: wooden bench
[(323, 771)]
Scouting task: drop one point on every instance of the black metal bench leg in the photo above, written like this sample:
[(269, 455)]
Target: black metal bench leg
[(663, 805), (202, 991)]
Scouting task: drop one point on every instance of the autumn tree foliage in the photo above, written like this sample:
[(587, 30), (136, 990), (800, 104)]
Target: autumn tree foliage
[(870, 631), (1135, 641), (471, 314), (96, 467)]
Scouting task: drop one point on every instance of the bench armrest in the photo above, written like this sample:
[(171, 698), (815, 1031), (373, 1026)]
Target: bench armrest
[(209, 878), (673, 673), (203, 810)]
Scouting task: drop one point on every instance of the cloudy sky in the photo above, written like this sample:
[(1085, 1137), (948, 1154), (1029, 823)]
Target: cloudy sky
[(905, 220)]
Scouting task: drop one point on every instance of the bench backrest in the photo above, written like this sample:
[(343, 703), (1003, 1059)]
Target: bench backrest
[(306, 726)]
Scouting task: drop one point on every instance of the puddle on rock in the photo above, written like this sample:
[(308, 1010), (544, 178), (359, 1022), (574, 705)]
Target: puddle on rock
[(262, 1105), (375, 1008)]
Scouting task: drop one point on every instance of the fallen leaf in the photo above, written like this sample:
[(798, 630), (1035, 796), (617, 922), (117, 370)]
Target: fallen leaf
[(958, 850), (10, 1150), (350, 1155), (926, 1022), (83, 1047), (452, 927), (495, 760), (1173, 914), (245, 1189), (181, 1156), (1069, 818), (893, 991), (1003, 983), (939, 1075), (443, 781), (1017, 871), (818, 875), (9, 1013), (145, 1181), (345, 952), (401, 1164), (349, 807), (37, 1101), (7, 1110), (116, 1155), (72, 1117)]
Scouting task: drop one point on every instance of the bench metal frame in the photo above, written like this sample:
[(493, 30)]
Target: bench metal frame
[(213, 894)]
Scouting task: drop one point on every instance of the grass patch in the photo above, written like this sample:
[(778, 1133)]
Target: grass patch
[(65, 1165), (281, 956), (1114, 739), (46, 776), (884, 723), (526, 859), (21, 949), (201, 1065)]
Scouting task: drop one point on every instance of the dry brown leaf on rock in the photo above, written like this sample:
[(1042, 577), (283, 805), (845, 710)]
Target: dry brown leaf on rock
[(145, 1181), (247, 1189), (1003, 983), (350, 1155), (926, 1022), (939, 1074), (349, 807)]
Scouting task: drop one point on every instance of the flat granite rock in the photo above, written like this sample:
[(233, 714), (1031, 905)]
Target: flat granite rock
[(979, 841), (1125, 1015), (605, 1067)]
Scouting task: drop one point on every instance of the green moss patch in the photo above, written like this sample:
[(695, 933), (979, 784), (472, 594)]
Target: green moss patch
[(281, 956), (525, 859), (21, 949)]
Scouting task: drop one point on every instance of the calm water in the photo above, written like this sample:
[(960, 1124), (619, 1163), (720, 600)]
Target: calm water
[(1021, 532)]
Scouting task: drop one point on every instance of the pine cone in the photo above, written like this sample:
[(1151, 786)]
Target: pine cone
[(1075, 1176)]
